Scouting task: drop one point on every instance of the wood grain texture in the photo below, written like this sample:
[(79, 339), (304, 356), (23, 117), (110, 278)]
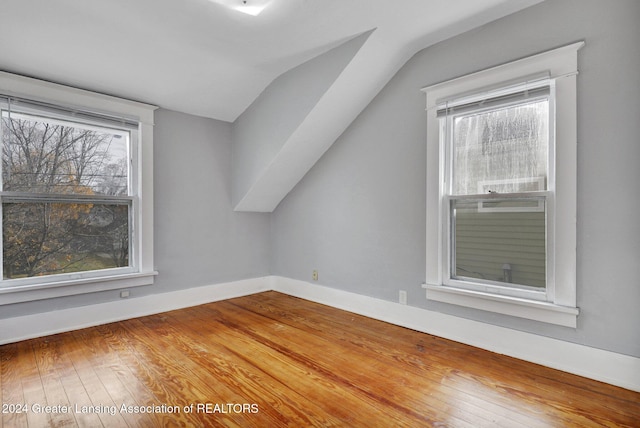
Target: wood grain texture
[(271, 360)]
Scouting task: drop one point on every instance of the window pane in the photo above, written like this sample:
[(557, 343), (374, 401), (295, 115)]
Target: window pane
[(45, 238), (44, 155), (500, 240), (502, 150)]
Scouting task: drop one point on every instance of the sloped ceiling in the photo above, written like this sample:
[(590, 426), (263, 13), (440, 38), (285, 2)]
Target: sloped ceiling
[(200, 57), (205, 58)]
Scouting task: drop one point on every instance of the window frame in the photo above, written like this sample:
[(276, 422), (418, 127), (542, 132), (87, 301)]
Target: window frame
[(536, 180), (558, 305), (485, 285), (544, 195), (141, 269)]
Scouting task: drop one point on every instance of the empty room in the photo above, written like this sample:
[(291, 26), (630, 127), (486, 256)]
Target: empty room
[(353, 213)]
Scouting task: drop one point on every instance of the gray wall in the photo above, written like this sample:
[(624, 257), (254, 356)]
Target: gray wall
[(199, 240), (261, 131), (358, 216)]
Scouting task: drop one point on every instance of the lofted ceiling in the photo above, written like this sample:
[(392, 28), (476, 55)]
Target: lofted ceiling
[(205, 58)]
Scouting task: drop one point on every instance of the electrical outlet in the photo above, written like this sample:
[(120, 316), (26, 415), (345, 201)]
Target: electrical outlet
[(402, 297), (124, 294), (314, 275)]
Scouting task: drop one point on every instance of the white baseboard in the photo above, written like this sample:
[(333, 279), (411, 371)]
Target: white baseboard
[(605, 366), (610, 367), (44, 324)]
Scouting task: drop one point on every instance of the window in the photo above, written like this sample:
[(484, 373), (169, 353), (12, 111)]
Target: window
[(496, 177), (73, 216), (501, 189)]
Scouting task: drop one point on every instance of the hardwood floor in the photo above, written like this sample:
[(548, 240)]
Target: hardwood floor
[(271, 360)]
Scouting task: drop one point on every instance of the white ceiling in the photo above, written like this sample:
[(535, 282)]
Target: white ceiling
[(200, 57)]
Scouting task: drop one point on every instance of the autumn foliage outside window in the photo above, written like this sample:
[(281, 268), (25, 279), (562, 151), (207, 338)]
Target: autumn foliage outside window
[(66, 204)]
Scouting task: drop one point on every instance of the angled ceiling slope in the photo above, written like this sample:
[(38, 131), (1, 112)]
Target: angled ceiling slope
[(271, 138), (281, 135)]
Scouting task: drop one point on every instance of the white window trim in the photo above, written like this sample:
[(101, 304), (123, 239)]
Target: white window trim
[(38, 90), (560, 308)]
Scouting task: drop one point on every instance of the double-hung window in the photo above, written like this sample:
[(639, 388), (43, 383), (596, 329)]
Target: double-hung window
[(495, 198), (73, 217), (501, 189)]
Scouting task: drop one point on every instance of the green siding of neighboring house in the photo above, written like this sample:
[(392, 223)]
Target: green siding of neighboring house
[(485, 241)]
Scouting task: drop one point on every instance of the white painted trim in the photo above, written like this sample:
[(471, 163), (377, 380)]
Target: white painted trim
[(561, 65), (606, 366), (46, 323), (40, 90), (40, 291), (142, 239), (508, 305)]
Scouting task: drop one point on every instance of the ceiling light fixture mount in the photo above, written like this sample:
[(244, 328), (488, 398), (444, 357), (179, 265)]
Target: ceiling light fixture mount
[(249, 7)]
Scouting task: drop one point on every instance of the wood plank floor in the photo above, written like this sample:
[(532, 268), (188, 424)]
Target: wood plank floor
[(271, 360)]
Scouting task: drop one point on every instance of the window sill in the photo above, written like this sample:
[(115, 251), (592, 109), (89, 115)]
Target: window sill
[(26, 293), (517, 307)]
